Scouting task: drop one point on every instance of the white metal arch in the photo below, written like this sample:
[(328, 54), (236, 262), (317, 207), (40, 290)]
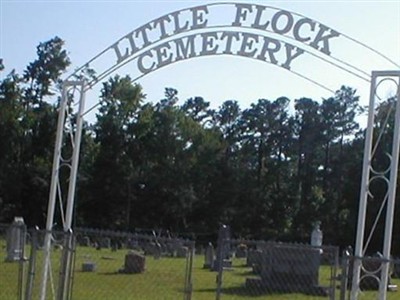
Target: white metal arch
[(317, 46)]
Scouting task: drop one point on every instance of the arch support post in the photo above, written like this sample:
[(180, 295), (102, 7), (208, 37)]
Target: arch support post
[(68, 135), (368, 175)]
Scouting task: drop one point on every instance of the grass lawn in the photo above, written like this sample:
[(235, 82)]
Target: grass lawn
[(163, 279)]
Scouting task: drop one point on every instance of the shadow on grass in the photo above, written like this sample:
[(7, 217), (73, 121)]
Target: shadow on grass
[(240, 291), (248, 273), (118, 273)]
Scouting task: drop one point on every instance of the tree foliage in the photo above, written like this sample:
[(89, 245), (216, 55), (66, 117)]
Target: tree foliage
[(270, 170)]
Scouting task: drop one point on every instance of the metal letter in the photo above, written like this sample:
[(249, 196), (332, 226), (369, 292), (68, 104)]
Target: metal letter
[(256, 24), (134, 48), (247, 44), (142, 30), (161, 22), (297, 27), (276, 46), (209, 46), (179, 29), (290, 56), (241, 13), (120, 57), (141, 67), (321, 38), (275, 19), (185, 51), (199, 21), (229, 35), (163, 58)]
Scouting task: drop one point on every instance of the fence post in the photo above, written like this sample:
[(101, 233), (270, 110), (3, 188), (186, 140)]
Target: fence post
[(188, 273), (220, 261), (21, 270), (66, 266), (32, 265), (345, 274)]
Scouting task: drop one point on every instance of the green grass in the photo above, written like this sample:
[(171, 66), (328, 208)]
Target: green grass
[(163, 279)]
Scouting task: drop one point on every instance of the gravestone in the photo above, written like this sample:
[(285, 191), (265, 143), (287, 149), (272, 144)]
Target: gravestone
[(134, 263), (105, 243), (182, 252), (223, 249), (396, 269), (316, 235), (289, 269), (241, 251), (153, 248), (173, 247), (255, 260), (86, 241), (88, 266), (16, 240), (209, 256)]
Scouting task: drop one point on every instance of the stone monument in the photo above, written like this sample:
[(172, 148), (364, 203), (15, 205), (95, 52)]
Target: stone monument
[(209, 256), (223, 249), (288, 268), (16, 235), (134, 263)]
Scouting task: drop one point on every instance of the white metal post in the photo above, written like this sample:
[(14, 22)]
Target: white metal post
[(365, 191), (358, 251), (75, 161), (57, 159), (387, 244), (66, 266), (53, 191)]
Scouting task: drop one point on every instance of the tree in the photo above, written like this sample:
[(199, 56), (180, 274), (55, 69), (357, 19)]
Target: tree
[(11, 134), (309, 143), (110, 181), (338, 125), (33, 120)]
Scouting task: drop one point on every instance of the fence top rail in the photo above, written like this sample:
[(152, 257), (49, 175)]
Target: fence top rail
[(278, 244)]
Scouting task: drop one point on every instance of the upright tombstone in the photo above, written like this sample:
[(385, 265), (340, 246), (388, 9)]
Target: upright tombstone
[(16, 240), (241, 251), (134, 263), (106, 243), (86, 241), (289, 269), (223, 249), (316, 235), (209, 256)]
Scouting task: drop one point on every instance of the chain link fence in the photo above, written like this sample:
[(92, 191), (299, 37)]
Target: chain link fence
[(273, 270), (95, 264)]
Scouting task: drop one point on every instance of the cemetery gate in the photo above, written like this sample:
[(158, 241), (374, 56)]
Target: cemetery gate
[(263, 33)]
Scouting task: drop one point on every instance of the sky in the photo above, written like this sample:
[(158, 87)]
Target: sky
[(88, 27)]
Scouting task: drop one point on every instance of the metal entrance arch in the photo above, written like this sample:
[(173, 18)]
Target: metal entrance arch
[(264, 33)]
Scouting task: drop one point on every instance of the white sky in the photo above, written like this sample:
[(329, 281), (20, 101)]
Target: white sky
[(88, 27)]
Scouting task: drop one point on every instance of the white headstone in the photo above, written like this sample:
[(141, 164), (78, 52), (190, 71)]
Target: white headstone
[(16, 240)]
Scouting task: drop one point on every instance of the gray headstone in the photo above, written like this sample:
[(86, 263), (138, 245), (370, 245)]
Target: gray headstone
[(88, 267), (223, 248), (134, 262), (286, 268), (209, 256), (182, 251), (106, 243), (241, 251), (86, 241)]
